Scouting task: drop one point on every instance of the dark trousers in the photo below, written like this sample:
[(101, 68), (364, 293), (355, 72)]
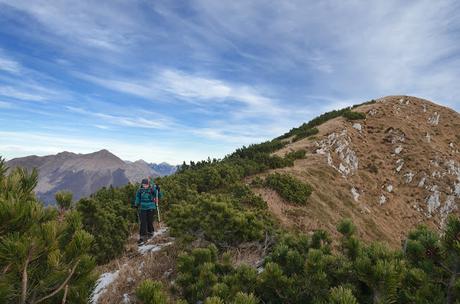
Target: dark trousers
[(146, 226)]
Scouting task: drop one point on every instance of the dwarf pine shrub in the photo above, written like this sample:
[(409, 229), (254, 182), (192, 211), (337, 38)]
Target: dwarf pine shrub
[(218, 219), (289, 188), (40, 251), (151, 292), (350, 115)]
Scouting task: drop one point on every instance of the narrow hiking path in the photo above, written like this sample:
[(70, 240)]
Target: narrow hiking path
[(119, 279)]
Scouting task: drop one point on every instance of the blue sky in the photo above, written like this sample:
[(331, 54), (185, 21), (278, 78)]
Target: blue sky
[(183, 80)]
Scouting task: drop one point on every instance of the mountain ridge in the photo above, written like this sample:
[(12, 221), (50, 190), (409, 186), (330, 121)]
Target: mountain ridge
[(83, 174)]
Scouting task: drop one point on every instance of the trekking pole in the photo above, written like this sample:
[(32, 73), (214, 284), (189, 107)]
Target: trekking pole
[(158, 207)]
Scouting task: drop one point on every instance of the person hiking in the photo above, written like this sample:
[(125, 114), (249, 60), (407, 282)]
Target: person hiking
[(146, 205)]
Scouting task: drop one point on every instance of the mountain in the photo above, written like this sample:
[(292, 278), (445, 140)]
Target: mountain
[(388, 165), (163, 169), (395, 169), (82, 174)]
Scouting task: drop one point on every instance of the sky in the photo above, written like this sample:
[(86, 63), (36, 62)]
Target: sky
[(179, 80)]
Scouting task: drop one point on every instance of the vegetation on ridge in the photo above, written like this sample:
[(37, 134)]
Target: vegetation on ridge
[(209, 201)]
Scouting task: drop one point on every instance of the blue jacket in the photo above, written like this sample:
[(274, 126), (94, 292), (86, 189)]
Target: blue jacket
[(145, 198)]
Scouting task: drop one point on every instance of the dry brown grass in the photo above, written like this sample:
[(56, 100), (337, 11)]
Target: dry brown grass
[(331, 199), (134, 268)]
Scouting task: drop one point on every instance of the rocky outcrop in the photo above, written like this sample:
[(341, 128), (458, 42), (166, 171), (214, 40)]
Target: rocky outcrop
[(395, 169)]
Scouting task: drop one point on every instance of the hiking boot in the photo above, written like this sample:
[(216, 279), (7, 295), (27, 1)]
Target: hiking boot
[(140, 242), (150, 235)]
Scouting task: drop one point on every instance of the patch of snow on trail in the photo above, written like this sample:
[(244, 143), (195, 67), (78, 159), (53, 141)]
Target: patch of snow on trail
[(101, 285), (126, 299), (146, 248), (152, 247)]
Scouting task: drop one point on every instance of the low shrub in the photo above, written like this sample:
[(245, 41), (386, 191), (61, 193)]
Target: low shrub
[(151, 292), (350, 115), (289, 188), (304, 133), (219, 219), (299, 154)]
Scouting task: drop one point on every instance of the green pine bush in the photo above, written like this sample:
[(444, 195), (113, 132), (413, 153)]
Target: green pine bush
[(218, 219), (289, 188), (350, 115), (151, 292), (64, 199), (41, 254)]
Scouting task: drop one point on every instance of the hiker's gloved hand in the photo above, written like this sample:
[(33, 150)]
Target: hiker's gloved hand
[(155, 200)]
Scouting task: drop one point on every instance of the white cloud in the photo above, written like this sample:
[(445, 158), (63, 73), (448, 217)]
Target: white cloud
[(9, 65), (159, 122), (103, 127), (193, 89), (108, 26), (12, 92), (6, 105)]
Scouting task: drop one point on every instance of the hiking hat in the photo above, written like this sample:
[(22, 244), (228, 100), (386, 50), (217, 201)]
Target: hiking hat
[(145, 181)]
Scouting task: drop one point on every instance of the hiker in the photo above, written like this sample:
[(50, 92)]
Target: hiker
[(146, 204)]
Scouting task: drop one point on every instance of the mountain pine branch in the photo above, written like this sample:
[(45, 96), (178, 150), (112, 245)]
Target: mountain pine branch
[(61, 286)]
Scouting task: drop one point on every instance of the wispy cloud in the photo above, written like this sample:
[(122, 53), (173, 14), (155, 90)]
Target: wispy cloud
[(157, 122), (105, 28), (6, 105), (12, 92), (8, 64), (219, 73), (190, 88)]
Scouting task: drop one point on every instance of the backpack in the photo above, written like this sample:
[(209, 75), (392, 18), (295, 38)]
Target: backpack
[(150, 189)]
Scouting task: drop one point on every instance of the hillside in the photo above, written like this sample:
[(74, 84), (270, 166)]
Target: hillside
[(389, 172), (329, 212), (84, 174), (397, 168)]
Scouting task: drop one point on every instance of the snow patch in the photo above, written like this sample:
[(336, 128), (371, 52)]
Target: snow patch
[(428, 137), (382, 199), (424, 108), (355, 194), (126, 299), (102, 284), (152, 247), (358, 126)]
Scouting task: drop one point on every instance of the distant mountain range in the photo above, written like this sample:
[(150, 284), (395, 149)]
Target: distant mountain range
[(84, 174)]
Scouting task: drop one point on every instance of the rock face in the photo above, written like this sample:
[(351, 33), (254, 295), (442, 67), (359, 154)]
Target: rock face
[(404, 158), (82, 174), (164, 169)]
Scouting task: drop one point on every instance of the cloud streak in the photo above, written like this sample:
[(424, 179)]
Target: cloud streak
[(217, 74), (9, 65)]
